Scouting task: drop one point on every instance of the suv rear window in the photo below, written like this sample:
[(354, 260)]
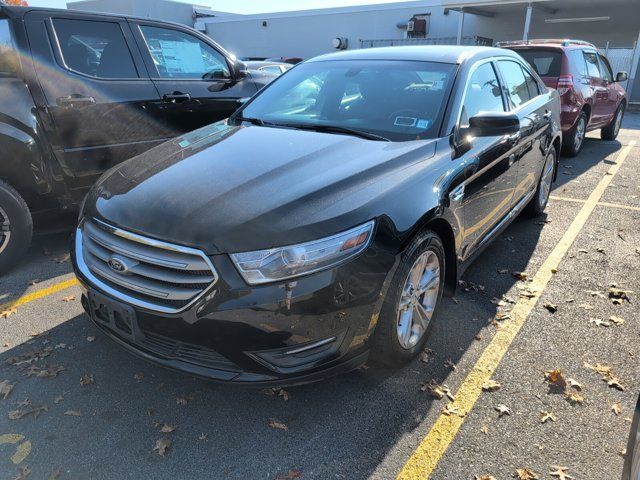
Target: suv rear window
[(546, 63)]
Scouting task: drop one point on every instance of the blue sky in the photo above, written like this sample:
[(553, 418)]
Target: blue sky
[(247, 6)]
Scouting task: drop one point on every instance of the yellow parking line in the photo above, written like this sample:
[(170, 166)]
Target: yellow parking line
[(602, 204), (425, 458), (43, 292)]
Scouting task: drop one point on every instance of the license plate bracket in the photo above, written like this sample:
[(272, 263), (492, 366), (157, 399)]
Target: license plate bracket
[(118, 317)]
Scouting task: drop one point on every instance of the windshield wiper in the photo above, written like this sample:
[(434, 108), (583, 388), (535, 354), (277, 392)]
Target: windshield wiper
[(335, 129)]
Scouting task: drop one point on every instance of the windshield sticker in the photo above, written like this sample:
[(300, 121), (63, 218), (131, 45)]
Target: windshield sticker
[(405, 121), (182, 57), (423, 123)]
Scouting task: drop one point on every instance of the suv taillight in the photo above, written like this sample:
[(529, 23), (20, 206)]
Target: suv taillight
[(565, 83)]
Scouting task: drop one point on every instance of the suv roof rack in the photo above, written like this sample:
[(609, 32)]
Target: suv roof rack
[(565, 42)]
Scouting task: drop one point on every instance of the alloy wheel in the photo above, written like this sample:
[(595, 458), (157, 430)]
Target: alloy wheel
[(579, 135), (618, 120), (5, 230), (546, 180), (418, 300)]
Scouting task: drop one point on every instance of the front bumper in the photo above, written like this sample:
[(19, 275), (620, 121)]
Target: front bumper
[(277, 334)]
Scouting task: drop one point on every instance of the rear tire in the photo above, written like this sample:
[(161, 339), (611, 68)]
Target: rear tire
[(572, 143), (610, 132), (16, 227), (539, 201), (391, 345)]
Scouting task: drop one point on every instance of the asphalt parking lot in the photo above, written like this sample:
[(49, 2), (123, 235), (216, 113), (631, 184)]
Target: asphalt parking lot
[(82, 408)]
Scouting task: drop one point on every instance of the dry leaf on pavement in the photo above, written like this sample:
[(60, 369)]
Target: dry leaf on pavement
[(484, 477), (162, 445), (616, 408), (166, 427), (73, 413), (545, 416), (278, 425), (8, 312), (290, 475), (86, 379), (69, 298), (184, 399), (91, 338), (485, 429), (526, 474), (63, 258), (598, 322), (451, 409), (617, 320), (571, 383), (614, 382), (552, 307), (491, 386), (25, 409), (5, 388), (618, 296), (556, 380), (561, 473), (502, 410), (573, 397), (520, 276), (23, 473)]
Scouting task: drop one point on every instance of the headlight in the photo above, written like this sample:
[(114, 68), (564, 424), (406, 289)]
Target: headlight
[(280, 263)]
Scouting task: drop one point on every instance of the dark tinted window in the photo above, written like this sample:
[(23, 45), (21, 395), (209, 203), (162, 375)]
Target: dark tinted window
[(546, 63), (8, 56), (515, 82), (97, 49), (605, 69), (593, 68), (482, 94), (180, 55)]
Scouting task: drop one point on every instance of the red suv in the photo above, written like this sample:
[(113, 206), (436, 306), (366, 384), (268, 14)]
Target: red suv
[(591, 97)]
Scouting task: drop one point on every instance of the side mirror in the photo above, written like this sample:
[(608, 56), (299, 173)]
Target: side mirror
[(622, 77), (493, 124)]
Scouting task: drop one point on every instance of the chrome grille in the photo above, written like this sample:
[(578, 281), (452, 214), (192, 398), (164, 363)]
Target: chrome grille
[(140, 270)]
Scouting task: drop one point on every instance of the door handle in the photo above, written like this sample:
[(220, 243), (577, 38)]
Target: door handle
[(547, 114), (176, 97), (75, 100), (515, 138), (457, 194)]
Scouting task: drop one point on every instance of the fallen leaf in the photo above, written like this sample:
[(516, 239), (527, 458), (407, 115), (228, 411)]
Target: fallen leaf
[(290, 475), (502, 410), (561, 473), (617, 295), (604, 370), (30, 357), (278, 425), (162, 445), (426, 355), (91, 338), (484, 477), (614, 382), (184, 399), (49, 371), (617, 320), (138, 376), (616, 408), (600, 250), (63, 258), (23, 473), (5, 388), (598, 322), (449, 364), (585, 306), (8, 312), (571, 383), (69, 298), (502, 316), (526, 474), (73, 413), (478, 337), (556, 380), (55, 475), (203, 437), (551, 307), (545, 416), (520, 276), (25, 408), (86, 379), (502, 271), (596, 293), (451, 409), (58, 399), (485, 429), (167, 428), (491, 386), (573, 397)]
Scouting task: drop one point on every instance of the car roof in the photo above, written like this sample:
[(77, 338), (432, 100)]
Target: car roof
[(454, 54), (552, 43), (18, 12)]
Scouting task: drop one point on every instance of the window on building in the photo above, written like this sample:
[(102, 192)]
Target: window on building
[(482, 95), (178, 54), (97, 49)]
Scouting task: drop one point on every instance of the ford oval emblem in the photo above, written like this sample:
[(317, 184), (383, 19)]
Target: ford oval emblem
[(118, 265)]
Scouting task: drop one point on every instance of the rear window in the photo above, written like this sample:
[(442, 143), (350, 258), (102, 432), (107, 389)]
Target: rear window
[(8, 56), (546, 63)]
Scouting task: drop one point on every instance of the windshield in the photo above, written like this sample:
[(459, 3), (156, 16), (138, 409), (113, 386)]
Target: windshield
[(397, 100)]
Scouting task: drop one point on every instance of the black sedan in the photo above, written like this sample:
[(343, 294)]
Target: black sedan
[(322, 223)]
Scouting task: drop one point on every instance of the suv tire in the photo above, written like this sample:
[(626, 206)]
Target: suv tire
[(389, 347), (572, 144), (610, 132), (17, 227)]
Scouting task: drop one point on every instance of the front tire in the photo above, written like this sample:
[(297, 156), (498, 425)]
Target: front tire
[(16, 227), (539, 201), (411, 305), (610, 132), (572, 144)]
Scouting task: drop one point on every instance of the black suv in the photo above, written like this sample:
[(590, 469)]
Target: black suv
[(82, 92)]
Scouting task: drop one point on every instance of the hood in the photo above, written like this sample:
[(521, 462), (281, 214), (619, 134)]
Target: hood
[(231, 188)]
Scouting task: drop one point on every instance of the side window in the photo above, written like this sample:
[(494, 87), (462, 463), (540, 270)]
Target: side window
[(97, 49), (593, 69), (532, 84), (605, 69), (578, 63), (515, 82), (8, 55), (180, 55), (482, 94)]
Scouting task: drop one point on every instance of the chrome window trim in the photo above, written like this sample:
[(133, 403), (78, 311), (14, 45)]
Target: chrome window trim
[(118, 295)]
